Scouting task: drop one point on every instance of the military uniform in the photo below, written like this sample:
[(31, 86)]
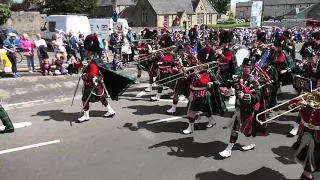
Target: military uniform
[(307, 146), (228, 64), (6, 121), (93, 90), (244, 120)]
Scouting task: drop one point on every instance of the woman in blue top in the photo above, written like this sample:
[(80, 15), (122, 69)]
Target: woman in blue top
[(12, 53)]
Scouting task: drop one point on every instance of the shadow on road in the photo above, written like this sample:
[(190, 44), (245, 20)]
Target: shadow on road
[(277, 128), (187, 148), (285, 154), (155, 109), (260, 174), (60, 115)]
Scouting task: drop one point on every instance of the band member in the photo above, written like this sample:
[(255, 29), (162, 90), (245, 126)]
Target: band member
[(261, 37), (283, 61), (314, 44), (307, 146), (6, 121), (93, 90), (248, 104), (311, 70), (145, 62), (165, 69), (193, 34), (289, 44), (165, 40), (273, 87), (228, 65), (205, 94)]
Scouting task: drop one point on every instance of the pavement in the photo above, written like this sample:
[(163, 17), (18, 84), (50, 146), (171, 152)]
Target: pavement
[(141, 142)]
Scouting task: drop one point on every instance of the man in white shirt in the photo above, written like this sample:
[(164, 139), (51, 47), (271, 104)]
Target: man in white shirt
[(40, 43)]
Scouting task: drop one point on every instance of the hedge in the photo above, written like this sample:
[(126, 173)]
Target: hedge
[(228, 26)]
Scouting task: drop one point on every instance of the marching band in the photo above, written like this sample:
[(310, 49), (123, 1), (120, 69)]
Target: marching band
[(215, 72)]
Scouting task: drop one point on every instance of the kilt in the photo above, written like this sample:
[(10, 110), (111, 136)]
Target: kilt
[(3, 114), (98, 91), (202, 104), (166, 80), (307, 150), (182, 87)]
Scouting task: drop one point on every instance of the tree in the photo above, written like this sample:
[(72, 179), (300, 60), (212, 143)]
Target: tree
[(71, 6), (5, 15), (30, 2), (221, 6), (231, 15)]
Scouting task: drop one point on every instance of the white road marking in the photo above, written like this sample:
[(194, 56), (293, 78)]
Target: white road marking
[(140, 94), (28, 147), (18, 125), (22, 103)]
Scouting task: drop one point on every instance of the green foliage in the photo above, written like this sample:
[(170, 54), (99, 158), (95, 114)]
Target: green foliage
[(71, 6), (221, 6), (230, 22), (228, 26), (30, 2), (267, 18), (231, 15), (5, 15)]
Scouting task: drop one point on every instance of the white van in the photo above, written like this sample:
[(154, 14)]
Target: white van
[(63, 24), (105, 26)]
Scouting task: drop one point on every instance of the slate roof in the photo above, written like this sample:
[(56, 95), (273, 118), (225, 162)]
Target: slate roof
[(127, 13), (209, 8), (278, 2), (293, 11), (178, 6), (120, 3)]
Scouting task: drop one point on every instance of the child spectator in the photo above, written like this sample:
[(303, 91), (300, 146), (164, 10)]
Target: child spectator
[(105, 51), (61, 65), (71, 62), (46, 67), (116, 65)]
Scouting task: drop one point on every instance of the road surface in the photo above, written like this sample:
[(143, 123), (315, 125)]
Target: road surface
[(140, 143)]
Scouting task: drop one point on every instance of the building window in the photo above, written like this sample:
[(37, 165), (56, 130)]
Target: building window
[(144, 17), (200, 17), (166, 20), (189, 20), (210, 19)]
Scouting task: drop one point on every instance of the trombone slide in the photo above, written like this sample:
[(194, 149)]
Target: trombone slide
[(271, 119)]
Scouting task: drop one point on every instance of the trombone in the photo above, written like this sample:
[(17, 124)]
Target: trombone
[(312, 98), (185, 70), (155, 53)]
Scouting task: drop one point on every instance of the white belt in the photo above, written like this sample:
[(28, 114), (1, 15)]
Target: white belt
[(198, 88), (310, 126), (164, 66)]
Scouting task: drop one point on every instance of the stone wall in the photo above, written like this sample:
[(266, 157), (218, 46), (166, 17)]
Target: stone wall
[(26, 22)]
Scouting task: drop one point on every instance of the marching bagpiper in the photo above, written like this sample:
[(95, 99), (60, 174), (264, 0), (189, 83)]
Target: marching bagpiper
[(95, 73), (307, 146), (6, 121), (248, 104)]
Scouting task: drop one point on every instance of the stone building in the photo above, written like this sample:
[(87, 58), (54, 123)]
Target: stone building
[(182, 13), (105, 9), (273, 8)]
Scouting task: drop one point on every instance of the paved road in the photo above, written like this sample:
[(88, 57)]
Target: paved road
[(140, 143)]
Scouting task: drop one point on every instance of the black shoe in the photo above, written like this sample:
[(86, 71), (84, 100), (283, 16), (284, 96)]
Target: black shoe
[(7, 131)]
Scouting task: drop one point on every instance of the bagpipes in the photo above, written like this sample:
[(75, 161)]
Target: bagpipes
[(114, 83)]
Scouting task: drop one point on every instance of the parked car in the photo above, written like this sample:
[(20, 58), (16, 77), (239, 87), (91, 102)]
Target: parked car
[(219, 21)]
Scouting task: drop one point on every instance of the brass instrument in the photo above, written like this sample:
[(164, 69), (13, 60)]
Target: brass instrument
[(312, 98), (200, 67), (156, 53)]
